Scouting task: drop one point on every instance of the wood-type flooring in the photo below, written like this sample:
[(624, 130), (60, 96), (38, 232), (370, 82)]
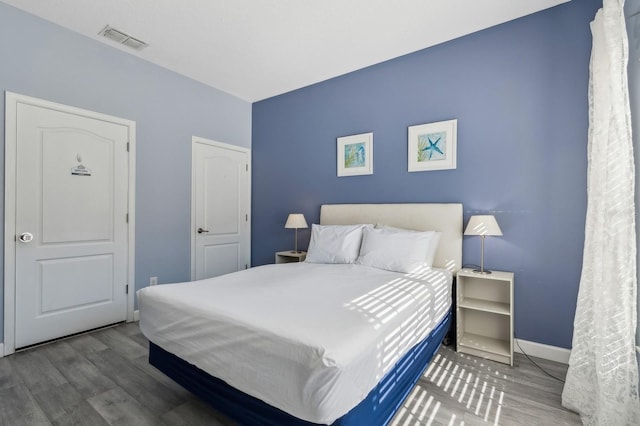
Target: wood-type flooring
[(104, 378)]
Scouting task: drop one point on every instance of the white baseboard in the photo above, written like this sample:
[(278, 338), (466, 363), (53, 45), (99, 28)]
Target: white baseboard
[(552, 353), (136, 315), (1, 350)]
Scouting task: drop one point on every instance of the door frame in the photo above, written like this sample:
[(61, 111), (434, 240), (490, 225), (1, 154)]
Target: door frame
[(12, 100), (198, 140)]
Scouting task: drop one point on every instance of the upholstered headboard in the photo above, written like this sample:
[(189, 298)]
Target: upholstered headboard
[(446, 218)]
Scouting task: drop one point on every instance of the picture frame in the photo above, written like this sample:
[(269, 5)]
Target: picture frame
[(432, 146), (355, 155)]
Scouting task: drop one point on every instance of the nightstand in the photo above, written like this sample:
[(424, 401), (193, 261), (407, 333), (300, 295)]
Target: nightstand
[(484, 312), (290, 256)]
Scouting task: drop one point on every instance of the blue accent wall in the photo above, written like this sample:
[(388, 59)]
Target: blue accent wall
[(44, 60), (519, 92)]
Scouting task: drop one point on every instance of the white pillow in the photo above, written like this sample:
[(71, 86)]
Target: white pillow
[(334, 243), (433, 247), (395, 250)]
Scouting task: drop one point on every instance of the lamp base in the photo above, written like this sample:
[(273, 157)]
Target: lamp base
[(484, 271)]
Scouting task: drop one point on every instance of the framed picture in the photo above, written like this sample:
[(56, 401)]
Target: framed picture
[(432, 146), (355, 155)]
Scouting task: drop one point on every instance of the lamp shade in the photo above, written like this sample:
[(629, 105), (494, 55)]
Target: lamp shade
[(296, 220), (483, 225)]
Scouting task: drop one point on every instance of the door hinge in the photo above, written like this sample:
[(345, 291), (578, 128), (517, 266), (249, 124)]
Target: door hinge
[(246, 266), (127, 217), (246, 167), (126, 289), (246, 218), (127, 146)]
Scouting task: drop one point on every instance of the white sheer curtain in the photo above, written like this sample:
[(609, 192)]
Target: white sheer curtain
[(602, 380)]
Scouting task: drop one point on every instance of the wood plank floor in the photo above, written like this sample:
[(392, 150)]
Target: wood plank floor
[(103, 378)]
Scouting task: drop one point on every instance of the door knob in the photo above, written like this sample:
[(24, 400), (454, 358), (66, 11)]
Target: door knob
[(26, 237), (201, 231)]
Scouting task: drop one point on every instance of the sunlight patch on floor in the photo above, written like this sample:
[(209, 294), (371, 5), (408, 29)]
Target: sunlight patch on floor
[(474, 387)]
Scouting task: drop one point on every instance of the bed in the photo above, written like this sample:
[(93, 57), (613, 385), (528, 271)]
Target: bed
[(310, 343)]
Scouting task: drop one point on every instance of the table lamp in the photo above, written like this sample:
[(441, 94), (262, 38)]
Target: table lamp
[(296, 221), (483, 225)]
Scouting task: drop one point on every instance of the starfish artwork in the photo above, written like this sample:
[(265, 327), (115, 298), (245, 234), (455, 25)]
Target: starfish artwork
[(431, 147)]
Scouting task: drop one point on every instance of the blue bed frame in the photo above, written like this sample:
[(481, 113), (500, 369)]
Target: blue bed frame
[(377, 409)]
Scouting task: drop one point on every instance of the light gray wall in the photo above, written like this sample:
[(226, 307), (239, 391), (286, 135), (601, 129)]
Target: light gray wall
[(46, 61)]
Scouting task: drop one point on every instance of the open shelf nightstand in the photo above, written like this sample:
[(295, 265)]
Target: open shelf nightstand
[(290, 256), (484, 309)]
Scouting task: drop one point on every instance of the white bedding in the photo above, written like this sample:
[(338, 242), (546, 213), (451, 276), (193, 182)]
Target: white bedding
[(310, 339)]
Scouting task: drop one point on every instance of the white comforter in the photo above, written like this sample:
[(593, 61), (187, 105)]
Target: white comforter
[(310, 339)]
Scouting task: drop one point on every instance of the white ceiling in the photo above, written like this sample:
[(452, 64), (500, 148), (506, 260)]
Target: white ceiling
[(255, 49)]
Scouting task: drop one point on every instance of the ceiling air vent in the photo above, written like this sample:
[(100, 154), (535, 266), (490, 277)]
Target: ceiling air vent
[(122, 38)]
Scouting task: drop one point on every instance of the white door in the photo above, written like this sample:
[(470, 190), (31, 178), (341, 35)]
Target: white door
[(220, 209), (71, 250)]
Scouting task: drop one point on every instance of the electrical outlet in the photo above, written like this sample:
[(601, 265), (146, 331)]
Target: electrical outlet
[(153, 280)]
